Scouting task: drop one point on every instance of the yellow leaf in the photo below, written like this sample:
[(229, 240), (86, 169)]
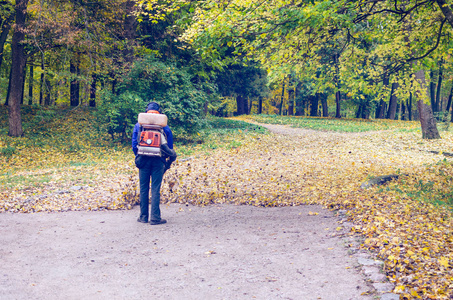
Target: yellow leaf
[(443, 261)]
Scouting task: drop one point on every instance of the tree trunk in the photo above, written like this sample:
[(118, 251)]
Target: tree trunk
[(41, 82), (365, 112), (260, 105), (314, 105), (403, 111), (393, 103), (94, 80), (30, 85), (291, 102), (130, 26), (6, 27), (8, 92), (432, 92), (17, 71), (23, 82), (449, 99), (446, 10), (240, 101), (427, 120), (382, 107), (282, 99), (74, 85), (47, 91), (409, 106), (337, 100), (298, 101), (304, 106), (439, 86), (359, 111), (325, 107)]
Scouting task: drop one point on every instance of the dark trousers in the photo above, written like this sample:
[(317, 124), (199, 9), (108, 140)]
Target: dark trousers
[(153, 171)]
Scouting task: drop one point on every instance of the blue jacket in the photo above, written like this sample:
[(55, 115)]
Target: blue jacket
[(136, 133)]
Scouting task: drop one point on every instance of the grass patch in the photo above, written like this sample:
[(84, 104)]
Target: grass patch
[(434, 185), (332, 124)]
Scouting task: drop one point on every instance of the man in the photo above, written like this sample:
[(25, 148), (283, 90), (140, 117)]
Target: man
[(152, 169)]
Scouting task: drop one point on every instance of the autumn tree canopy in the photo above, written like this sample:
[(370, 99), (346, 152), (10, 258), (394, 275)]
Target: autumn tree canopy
[(368, 59)]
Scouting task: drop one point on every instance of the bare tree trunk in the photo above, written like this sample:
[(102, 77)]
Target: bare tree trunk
[(291, 102), (30, 85), (8, 92), (298, 101), (393, 103), (260, 105), (403, 110), (427, 120), (47, 91), (446, 10), (17, 71), (240, 102), (74, 85), (23, 82), (449, 99), (409, 106), (94, 80), (314, 105), (41, 82), (439, 86), (337, 100), (382, 107), (432, 92), (282, 99), (6, 26), (359, 111), (325, 107)]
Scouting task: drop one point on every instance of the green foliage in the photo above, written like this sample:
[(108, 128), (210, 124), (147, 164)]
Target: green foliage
[(171, 86), (118, 113)]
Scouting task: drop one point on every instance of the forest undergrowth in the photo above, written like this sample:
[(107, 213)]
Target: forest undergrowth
[(407, 223)]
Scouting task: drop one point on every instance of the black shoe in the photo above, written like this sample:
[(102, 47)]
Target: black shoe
[(161, 221), (142, 219)]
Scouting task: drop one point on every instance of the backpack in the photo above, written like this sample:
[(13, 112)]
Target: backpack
[(152, 140)]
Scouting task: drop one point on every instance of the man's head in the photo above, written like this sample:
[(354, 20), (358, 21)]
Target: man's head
[(153, 106)]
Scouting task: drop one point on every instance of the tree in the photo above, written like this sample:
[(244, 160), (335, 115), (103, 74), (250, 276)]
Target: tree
[(6, 20), (17, 70), (427, 120)]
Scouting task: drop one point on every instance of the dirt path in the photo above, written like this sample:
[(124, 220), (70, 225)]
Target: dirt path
[(213, 252)]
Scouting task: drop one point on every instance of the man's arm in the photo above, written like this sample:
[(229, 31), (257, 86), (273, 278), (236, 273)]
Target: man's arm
[(169, 136), (135, 138)]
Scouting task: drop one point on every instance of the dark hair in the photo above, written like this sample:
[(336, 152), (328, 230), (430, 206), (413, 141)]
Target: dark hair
[(153, 106)]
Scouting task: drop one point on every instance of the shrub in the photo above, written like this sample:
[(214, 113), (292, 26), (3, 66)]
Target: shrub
[(172, 87)]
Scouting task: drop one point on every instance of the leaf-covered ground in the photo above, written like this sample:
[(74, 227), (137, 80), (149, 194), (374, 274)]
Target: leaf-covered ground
[(413, 237), (400, 221)]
